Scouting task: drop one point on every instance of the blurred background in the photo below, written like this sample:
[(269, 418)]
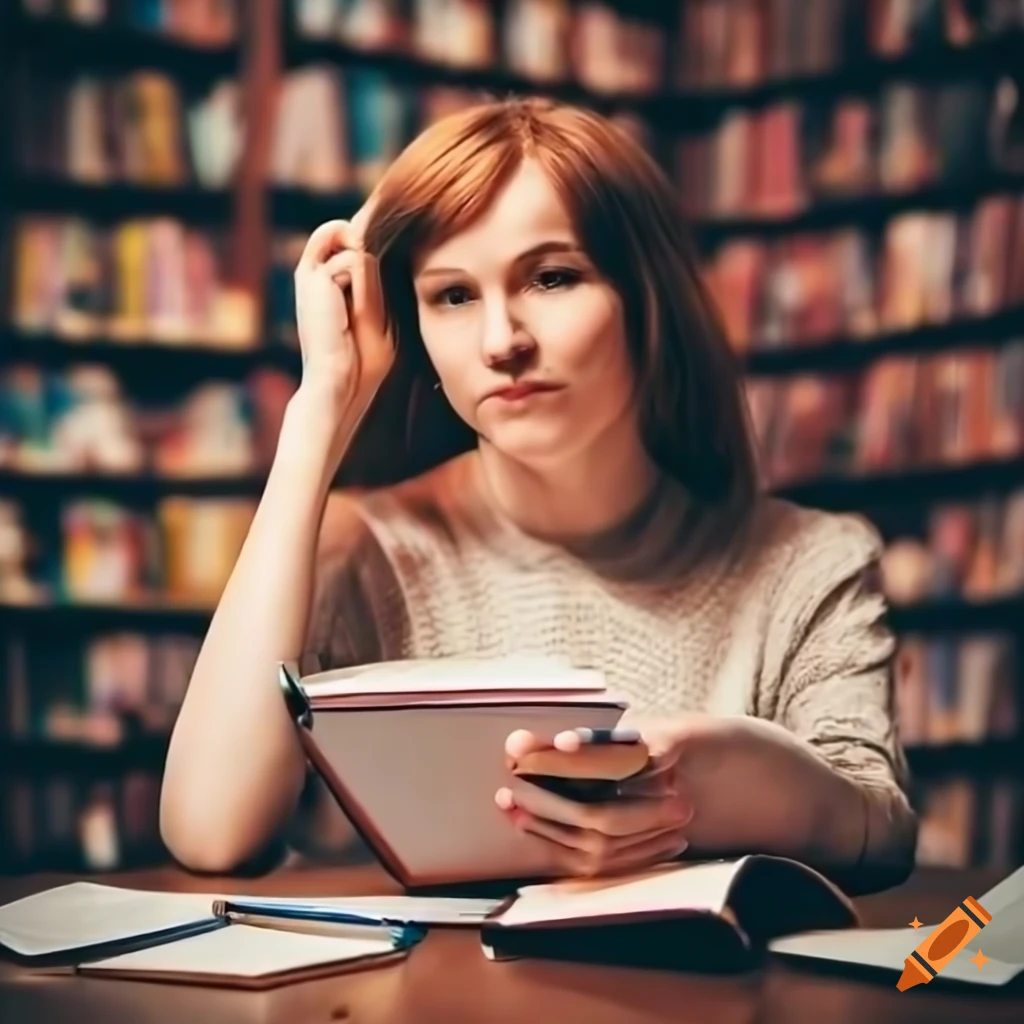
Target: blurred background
[(854, 173)]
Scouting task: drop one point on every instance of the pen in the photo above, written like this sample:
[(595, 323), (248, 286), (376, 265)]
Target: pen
[(302, 912), (402, 933), (600, 737)]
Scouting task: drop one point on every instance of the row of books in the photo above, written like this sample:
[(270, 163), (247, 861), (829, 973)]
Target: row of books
[(73, 824), (969, 550), (900, 413), (139, 128), (197, 22), (956, 691), (920, 269), (154, 278), (744, 42), (79, 420), (92, 551), (968, 823), (340, 129), (599, 45), (782, 158), (98, 690)]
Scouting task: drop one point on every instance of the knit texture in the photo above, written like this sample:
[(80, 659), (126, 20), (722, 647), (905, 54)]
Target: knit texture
[(790, 629)]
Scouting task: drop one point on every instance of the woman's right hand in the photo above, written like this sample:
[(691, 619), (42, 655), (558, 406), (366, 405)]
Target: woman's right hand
[(347, 350)]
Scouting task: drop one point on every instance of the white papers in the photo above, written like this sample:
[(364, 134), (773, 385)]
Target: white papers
[(240, 951), (84, 914)]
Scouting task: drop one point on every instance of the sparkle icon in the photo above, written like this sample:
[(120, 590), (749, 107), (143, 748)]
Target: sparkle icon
[(915, 924), (980, 959)]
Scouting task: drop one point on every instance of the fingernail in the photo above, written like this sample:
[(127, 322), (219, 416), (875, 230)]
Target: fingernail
[(504, 799)]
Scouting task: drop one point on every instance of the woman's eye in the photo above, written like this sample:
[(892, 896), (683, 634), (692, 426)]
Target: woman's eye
[(549, 280), (457, 295)]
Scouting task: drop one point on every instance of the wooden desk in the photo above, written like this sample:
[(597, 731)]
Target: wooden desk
[(448, 980)]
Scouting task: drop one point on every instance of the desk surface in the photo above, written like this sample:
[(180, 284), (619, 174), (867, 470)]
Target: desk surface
[(447, 979)]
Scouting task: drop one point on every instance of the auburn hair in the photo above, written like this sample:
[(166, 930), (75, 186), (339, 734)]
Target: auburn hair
[(692, 412)]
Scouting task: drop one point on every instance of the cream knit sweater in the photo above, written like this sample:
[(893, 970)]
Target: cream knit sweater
[(790, 630)]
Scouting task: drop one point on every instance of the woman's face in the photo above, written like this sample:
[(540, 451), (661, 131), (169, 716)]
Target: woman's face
[(526, 337)]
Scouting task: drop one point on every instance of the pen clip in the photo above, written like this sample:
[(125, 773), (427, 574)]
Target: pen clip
[(295, 698)]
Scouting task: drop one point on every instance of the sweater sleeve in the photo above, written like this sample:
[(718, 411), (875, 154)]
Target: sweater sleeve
[(836, 687)]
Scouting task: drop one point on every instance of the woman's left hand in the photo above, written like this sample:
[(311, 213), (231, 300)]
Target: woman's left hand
[(712, 785), (646, 824)]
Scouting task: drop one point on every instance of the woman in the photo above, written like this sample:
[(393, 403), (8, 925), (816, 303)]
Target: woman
[(529, 263)]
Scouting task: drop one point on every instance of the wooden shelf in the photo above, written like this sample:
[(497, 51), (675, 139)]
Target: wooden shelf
[(866, 212), (117, 201), (956, 615), (64, 618), (985, 60), (993, 758), (67, 44), (844, 355), (141, 358), (132, 489), (32, 758), (908, 486)]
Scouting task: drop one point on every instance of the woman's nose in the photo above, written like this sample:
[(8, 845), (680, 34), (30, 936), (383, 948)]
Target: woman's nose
[(505, 341)]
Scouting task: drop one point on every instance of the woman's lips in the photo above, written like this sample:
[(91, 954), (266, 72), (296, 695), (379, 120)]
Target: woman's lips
[(524, 389)]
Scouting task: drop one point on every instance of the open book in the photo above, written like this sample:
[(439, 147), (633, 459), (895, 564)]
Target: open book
[(414, 752), (707, 915)]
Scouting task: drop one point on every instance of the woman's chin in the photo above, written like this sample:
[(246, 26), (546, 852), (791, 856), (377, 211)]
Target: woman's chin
[(529, 442)]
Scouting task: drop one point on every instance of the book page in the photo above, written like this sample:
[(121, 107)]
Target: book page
[(241, 951), (445, 675), (699, 887), (85, 914)]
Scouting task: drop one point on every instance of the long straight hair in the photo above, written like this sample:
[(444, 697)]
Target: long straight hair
[(692, 413)]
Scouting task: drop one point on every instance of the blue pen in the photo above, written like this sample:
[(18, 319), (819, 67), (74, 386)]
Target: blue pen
[(403, 933)]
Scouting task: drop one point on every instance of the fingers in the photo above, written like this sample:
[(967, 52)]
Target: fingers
[(360, 273), (616, 818), (587, 840), (604, 857), (329, 238), (520, 743)]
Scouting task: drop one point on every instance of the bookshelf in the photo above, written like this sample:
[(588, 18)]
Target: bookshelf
[(252, 213)]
